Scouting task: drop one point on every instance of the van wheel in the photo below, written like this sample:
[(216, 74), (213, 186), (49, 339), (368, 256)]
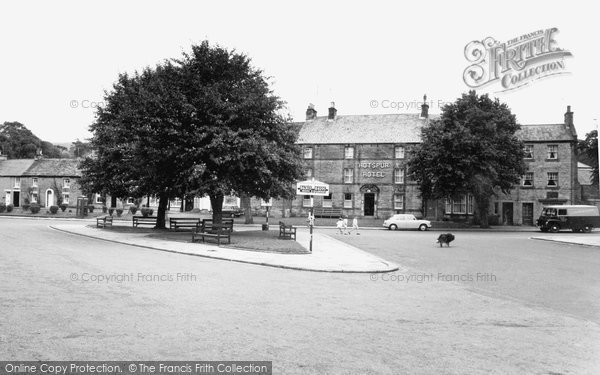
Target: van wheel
[(587, 228), (554, 228), (393, 227), (422, 227)]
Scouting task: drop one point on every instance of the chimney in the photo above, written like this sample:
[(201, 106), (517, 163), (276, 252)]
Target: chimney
[(38, 154), (424, 108), (311, 112), (332, 112), (569, 117)]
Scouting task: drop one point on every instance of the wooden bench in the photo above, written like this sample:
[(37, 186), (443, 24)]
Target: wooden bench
[(328, 212), (215, 231), (183, 222), (287, 231), (104, 221), (143, 220)]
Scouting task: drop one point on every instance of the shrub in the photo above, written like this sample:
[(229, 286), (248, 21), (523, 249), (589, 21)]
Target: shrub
[(35, 208), (111, 211), (25, 206), (119, 212), (133, 210), (63, 207), (9, 208), (53, 209), (147, 211), (91, 208), (2, 207)]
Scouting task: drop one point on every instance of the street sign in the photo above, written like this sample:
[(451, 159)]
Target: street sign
[(312, 187), (268, 203)]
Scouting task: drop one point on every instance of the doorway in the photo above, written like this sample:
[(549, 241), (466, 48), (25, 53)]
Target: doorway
[(49, 198), (507, 213), (369, 204), (528, 214), (16, 198)]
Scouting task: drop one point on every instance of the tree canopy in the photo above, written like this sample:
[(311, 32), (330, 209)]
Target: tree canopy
[(471, 149), (588, 153), (18, 142), (206, 123)]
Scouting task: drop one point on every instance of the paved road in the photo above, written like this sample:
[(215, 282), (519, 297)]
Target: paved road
[(557, 276), (306, 323)]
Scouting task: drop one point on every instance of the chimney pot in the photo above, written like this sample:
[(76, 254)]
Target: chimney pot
[(332, 112), (424, 108), (311, 112)]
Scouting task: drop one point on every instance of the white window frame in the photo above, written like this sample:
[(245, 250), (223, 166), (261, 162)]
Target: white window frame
[(528, 150), (398, 176), (34, 182), (525, 179), (448, 206), (399, 152), (398, 201), (459, 206), (328, 201), (66, 183), (347, 202), (555, 180), (17, 183), (349, 152), (552, 152), (98, 199), (308, 153), (470, 204), (348, 175), (34, 197), (66, 197)]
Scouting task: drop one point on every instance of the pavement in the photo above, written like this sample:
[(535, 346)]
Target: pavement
[(328, 254), (580, 239)]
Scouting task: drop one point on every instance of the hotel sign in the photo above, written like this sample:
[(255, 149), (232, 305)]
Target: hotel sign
[(312, 187), (377, 169)]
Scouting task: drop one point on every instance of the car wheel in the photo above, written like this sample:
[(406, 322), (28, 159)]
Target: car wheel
[(232, 216), (587, 228), (423, 227), (393, 227), (554, 228)]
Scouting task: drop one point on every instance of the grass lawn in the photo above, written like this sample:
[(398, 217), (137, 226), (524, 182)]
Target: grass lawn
[(252, 240)]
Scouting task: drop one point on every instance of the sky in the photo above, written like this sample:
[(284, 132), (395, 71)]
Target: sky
[(376, 57)]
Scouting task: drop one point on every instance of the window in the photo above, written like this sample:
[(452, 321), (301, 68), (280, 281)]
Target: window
[(459, 205), (552, 178), (470, 204), (34, 182), (347, 200), (130, 200), (349, 152), (348, 175), (327, 200), (66, 183), (562, 211), (65, 198), (309, 172), (398, 201), (399, 152), (398, 176), (306, 201), (98, 199), (17, 182), (448, 206), (528, 179), (34, 198), (308, 154), (528, 151), (552, 151)]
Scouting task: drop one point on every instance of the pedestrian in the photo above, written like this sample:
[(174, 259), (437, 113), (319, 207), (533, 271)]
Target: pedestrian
[(355, 224), (340, 225), (345, 224)]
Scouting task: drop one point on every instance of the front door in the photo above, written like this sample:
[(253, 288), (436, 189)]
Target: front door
[(16, 198), (369, 205), (49, 198), (528, 214), (507, 213)]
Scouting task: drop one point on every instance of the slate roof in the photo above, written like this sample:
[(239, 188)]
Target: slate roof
[(40, 168), (393, 128), (545, 133)]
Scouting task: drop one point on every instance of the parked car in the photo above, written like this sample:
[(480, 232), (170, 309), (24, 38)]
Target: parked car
[(232, 211), (578, 218), (406, 221)]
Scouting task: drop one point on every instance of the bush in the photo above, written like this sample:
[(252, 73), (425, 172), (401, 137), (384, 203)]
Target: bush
[(91, 208), (111, 211), (119, 212), (2, 207), (53, 209), (25, 207), (35, 208), (9, 208), (63, 207), (133, 210), (147, 211)]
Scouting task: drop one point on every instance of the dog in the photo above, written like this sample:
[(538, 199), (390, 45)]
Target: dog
[(445, 238)]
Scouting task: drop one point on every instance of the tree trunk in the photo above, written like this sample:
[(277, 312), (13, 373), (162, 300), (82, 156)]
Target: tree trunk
[(245, 202), (284, 206), (216, 201), (163, 201), (483, 204)]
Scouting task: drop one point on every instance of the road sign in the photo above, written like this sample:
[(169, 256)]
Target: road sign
[(312, 187), (268, 203)]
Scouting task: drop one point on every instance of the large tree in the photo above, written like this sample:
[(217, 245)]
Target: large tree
[(470, 149), (206, 123), (18, 142), (588, 153)]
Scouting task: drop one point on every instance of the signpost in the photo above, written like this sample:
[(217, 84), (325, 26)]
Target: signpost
[(266, 204), (312, 187)]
